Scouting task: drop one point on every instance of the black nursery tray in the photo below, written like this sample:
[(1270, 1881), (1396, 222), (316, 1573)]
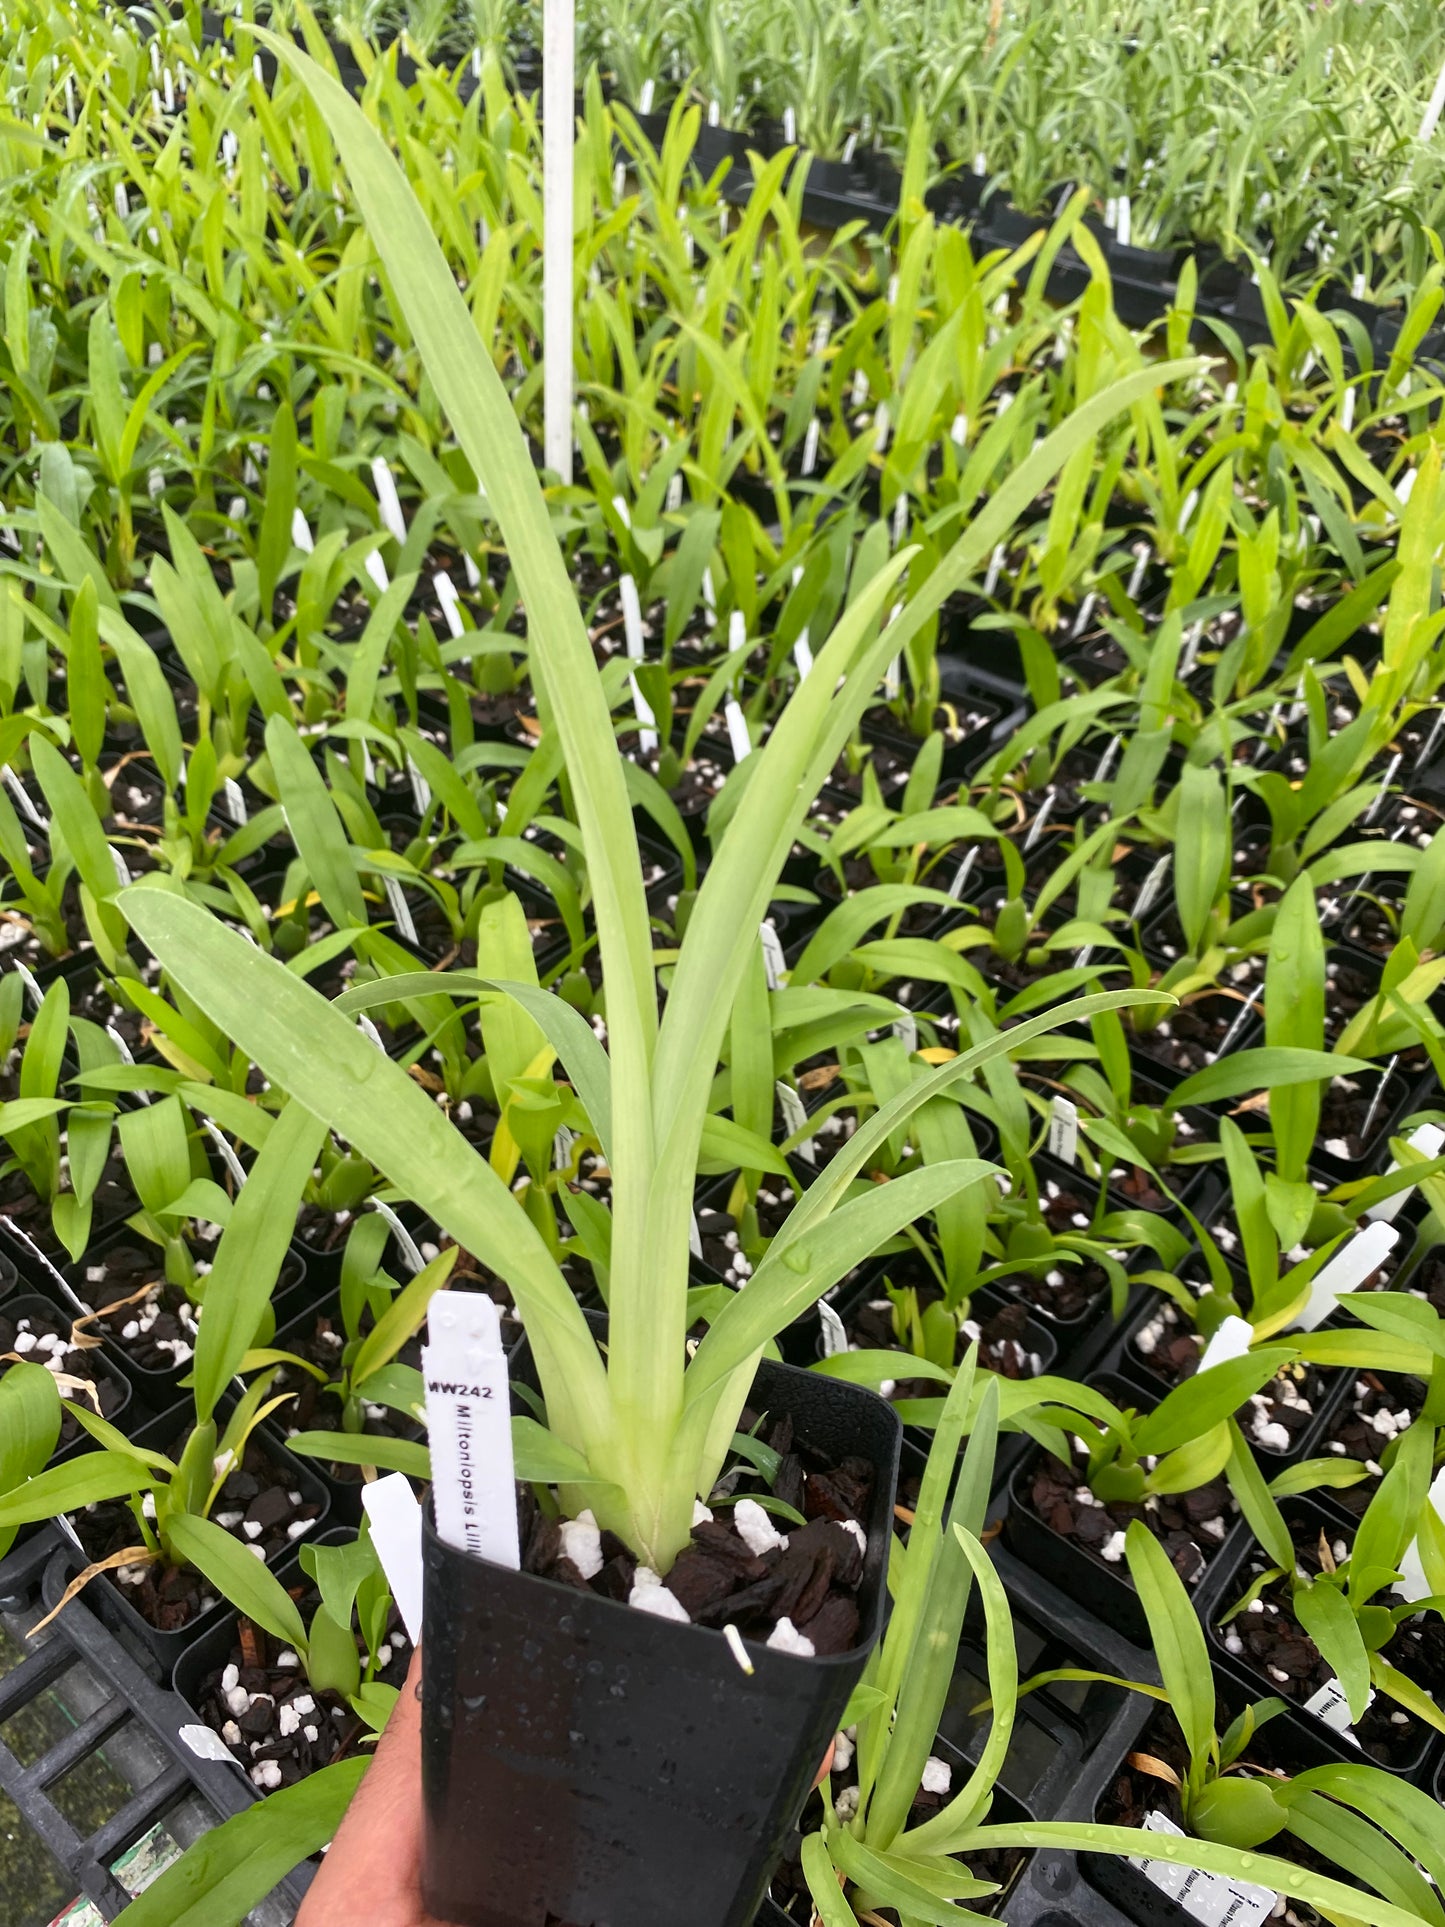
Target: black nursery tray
[(91, 1759)]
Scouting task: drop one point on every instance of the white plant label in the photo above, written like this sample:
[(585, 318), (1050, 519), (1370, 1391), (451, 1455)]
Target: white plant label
[(694, 1237), (1428, 1141), (369, 1031), (235, 801), (1209, 1897), (1347, 1271), (803, 655), (413, 1257), (1412, 1583), (906, 1031), (206, 1744), (451, 602), (400, 909), (228, 1156), (1064, 1130), (387, 499), (835, 1337), (1232, 1340), (395, 1519), (301, 532), (737, 722), (631, 616), (737, 632), (22, 797), (1330, 1705), (646, 721), (795, 1118), (420, 788), (1040, 822), (893, 681), (127, 1058), (469, 1422), (810, 446), (774, 962), (961, 875), (122, 870), (31, 983), (562, 1141), (1151, 886)]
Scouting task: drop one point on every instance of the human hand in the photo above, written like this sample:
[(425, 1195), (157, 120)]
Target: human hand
[(371, 1876)]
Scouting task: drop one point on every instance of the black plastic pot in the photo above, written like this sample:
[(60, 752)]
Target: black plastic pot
[(1308, 1521), (582, 1762), (1101, 1589), (105, 1595), (96, 1364)]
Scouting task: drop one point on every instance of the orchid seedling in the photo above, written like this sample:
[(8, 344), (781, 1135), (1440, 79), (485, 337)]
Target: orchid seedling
[(646, 1430), (1344, 1604), (172, 1501), (1354, 1815)]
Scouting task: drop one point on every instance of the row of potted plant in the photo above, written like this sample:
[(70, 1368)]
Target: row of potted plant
[(342, 985)]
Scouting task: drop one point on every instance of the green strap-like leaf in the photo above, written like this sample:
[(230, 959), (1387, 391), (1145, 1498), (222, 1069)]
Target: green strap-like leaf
[(238, 1575), (307, 1047), (231, 1869), (252, 1250)]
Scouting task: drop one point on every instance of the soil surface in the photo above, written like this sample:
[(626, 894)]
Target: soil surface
[(316, 1407), (1379, 1407), (157, 1330), (1189, 1525), (810, 1580), (265, 1709), (1006, 1344), (1190, 1038), (43, 1337), (1275, 1418), (1066, 1292)]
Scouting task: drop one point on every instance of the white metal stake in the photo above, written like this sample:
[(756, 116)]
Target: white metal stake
[(559, 60)]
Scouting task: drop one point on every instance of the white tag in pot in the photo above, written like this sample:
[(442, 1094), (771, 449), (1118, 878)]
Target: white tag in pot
[(387, 499), (1064, 1130), (1347, 1271), (395, 1519), (1210, 1897), (1330, 1705), (775, 963), (1412, 1583), (469, 1423), (1232, 1340), (631, 616), (835, 1336), (795, 1118), (737, 722), (1428, 1140), (206, 1744), (400, 909)]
